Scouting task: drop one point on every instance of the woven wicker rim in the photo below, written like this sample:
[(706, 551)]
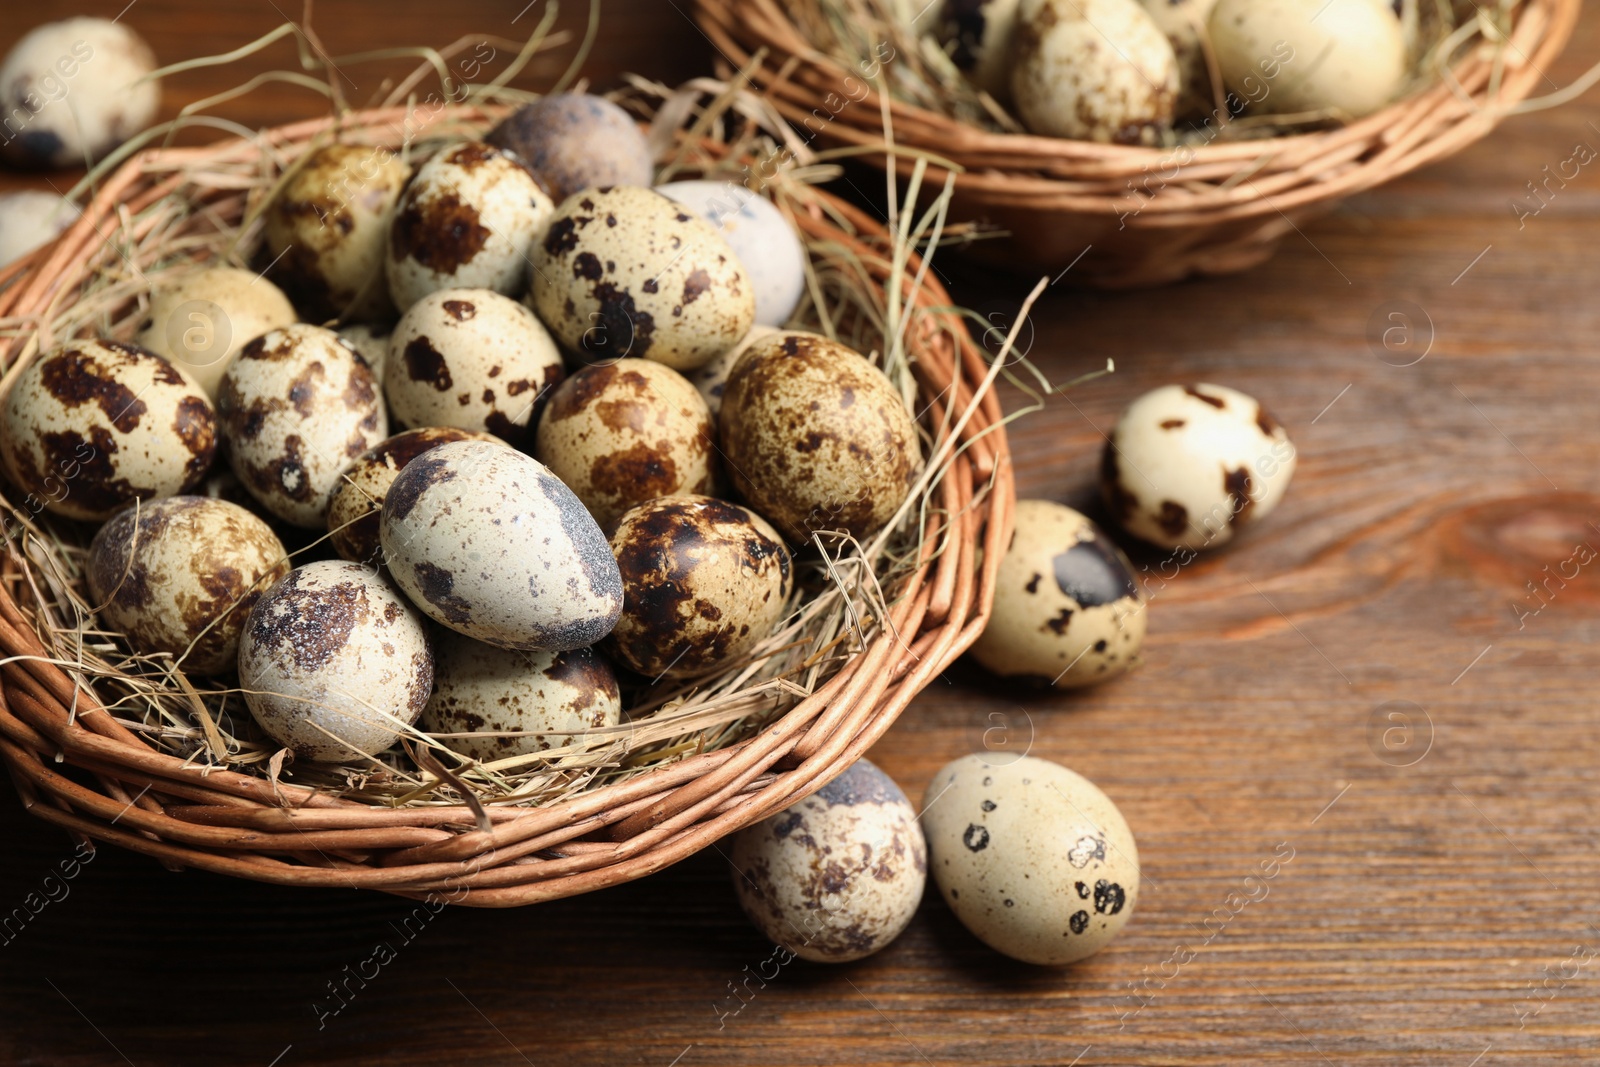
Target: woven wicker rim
[(237, 824)]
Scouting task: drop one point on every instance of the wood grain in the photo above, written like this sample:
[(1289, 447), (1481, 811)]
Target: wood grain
[(1442, 913)]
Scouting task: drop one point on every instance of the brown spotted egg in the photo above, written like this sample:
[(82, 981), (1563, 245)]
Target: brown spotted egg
[(1188, 466), (625, 432), (837, 876), (298, 406), (179, 576), (201, 321), (497, 704), (468, 220), (1184, 23), (704, 581), (627, 272), (816, 438), (576, 141), (371, 342), (92, 426), (334, 663), (472, 359), (1067, 610), (712, 378)]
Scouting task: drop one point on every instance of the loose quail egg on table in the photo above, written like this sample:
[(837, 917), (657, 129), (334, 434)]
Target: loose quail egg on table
[(334, 663), (92, 426), (758, 233), (837, 876), (489, 543), (201, 321), (703, 580), (712, 378), (576, 141), (628, 272), (1035, 860), (179, 576), (1188, 466), (30, 218), (297, 406), (1347, 56), (1067, 610), (625, 432), (978, 34)]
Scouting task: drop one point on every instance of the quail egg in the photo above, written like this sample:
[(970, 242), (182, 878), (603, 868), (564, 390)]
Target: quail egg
[(1033, 859), (1184, 23), (371, 342), (201, 321), (29, 218), (712, 378), (92, 426), (575, 141), (978, 34), (759, 234), (1290, 56), (1188, 466), (627, 272), (837, 876)]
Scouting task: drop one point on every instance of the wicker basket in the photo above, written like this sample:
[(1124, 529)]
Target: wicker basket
[(1136, 216), (79, 767)]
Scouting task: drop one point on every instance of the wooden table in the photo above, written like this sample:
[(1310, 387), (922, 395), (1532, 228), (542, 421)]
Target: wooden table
[(1441, 903)]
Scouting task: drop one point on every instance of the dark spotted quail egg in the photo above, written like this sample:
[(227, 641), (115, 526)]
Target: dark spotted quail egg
[(704, 581), (297, 406), (472, 359), (837, 876), (978, 34), (92, 426), (488, 542), (201, 321), (816, 438), (712, 378), (627, 272), (1033, 859), (758, 233), (1184, 23), (468, 220), (1067, 611), (625, 432), (499, 703), (1188, 466), (371, 342), (334, 663), (179, 576), (575, 141)]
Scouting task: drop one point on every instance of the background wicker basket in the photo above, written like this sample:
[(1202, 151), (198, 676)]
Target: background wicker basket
[(1138, 216), (79, 766)]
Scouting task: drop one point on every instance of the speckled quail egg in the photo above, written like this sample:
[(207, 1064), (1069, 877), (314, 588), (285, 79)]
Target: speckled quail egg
[(712, 378), (1187, 466), (765, 242), (816, 438), (353, 513), (627, 272), (371, 342), (334, 663), (472, 359), (298, 405), (202, 320), (837, 876), (1288, 56), (468, 220), (979, 34), (1096, 70), (575, 141), (328, 228), (30, 218), (1067, 610), (92, 426), (704, 581), (625, 432), (1184, 23), (501, 703), (488, 542), (179, 576), (1033, 859), (73, 90)]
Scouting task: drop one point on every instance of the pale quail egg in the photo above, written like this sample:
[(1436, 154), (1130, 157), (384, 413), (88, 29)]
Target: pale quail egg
[(468, 220), (92, 426), (625, 432), (472, 359), (978, 34), (1184, 23), (29, 218), (712, 378), (575, 141), (1033, 859), (327, 230), (627, 272), (758, 233), (1187, 466), (201, 321), (334, 663), (73, 91), (1289, 56), (1067, 610), (704, 581), (179, 576), (815, 437), (491, 544), (1096, 70), (371, 342), (534, 701), (298, 405), (837, 876)]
